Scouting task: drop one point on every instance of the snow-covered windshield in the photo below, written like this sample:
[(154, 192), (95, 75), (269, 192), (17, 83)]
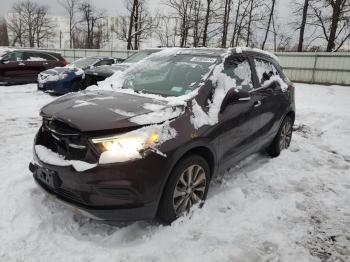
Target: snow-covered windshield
[(172, 75), (84, 62)]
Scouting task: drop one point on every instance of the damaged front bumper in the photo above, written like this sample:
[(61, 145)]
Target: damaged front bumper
[(112, 192)]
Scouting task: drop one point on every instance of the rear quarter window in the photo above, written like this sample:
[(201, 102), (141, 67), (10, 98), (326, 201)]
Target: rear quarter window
[(266, 69)]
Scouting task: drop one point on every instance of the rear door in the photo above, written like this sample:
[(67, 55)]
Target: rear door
[(273, 99), (239, 123), (35, 64)]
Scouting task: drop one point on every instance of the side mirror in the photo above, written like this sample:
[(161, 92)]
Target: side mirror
[(234, 96)]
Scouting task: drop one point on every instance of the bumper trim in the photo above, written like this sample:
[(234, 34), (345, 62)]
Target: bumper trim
[(144, 212)]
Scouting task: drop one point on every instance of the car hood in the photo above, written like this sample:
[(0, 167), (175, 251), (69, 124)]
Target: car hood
[(99, 110)]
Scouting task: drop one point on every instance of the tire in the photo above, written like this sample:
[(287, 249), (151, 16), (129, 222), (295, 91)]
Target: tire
[(76, 86), (282, 139), (172, 207)]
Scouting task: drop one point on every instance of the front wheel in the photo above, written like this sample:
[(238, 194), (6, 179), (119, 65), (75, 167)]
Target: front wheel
[(282, 139), (188, 185)]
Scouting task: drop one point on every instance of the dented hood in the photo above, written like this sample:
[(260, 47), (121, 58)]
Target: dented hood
[(98, 110)]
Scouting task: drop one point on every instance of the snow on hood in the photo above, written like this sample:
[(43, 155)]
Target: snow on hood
[(49, 157), (57, 73), (111, 110)]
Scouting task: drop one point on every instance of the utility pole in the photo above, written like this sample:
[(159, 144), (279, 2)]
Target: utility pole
[(60, 39)]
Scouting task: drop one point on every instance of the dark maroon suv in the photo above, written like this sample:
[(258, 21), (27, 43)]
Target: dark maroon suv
[(23, 66), (150, 139)]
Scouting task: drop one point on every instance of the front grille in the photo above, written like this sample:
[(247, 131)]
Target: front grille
[(62, 193), (64, 140)]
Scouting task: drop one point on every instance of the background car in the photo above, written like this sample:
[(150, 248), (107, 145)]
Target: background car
[(23, 66), (61, 80), (94, 75)]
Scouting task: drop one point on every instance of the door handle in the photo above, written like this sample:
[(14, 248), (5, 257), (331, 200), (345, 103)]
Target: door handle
[(257, 103), (45, 63)]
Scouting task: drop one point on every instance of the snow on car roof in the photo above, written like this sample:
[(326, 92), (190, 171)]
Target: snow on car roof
[(239, 50)]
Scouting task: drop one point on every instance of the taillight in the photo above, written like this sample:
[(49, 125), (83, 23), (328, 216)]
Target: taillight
[(65, 63)]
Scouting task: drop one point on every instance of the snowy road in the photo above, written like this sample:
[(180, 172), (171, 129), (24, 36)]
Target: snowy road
[(292, 208)]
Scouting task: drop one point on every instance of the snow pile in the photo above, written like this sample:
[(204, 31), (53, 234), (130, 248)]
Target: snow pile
[(122, 112), (49, 157), (158, 116), (80, 103), (242, 49), (3, 51), (36, 59), (291, 208), (44, 77), (224, 83), (79, 72), (129, 146)]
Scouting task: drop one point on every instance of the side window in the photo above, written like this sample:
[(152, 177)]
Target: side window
[(105, 62), (14, 56), (265, 70), (238, 69), (27, 56)]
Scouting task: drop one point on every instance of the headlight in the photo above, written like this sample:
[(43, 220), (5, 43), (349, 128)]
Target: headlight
[(125, 147)]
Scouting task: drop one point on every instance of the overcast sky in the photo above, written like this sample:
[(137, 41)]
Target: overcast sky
[(116, 7)]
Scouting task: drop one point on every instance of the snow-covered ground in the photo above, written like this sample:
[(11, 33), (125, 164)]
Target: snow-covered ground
[(292, 208)]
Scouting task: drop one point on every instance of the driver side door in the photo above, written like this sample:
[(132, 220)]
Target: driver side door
[(239, 123), (13, 68)]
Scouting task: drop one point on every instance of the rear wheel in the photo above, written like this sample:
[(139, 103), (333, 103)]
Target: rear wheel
[(282, 139), (76, 86), (187, 185)]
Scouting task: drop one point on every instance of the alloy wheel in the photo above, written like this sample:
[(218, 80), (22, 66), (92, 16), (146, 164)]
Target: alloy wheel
[(286, 135), (189, 189)]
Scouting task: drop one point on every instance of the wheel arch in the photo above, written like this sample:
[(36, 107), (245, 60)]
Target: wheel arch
[(291, 114), (199, 147)]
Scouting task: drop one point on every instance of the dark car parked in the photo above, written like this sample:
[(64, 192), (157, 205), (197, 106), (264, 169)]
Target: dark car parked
[(130, 154), (94, 75), (23, 66), (62, 80)]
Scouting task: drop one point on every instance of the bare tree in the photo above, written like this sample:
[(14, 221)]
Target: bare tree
[(333, 20), (183, 11), (43, 26), (92, 19), (4, 39), (71, 8), (30, 24), (304, 12), (137, 26), (272, 9), (227, 10), (208, 15)]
